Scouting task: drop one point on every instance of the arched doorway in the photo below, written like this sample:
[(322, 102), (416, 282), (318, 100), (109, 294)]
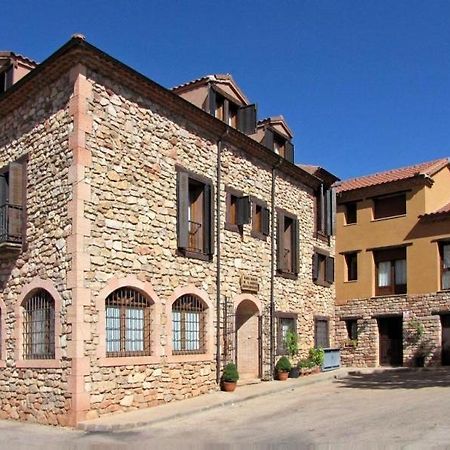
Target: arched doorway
[(248, 331)]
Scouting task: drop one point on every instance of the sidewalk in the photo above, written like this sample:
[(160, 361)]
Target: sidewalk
[(177, 409)]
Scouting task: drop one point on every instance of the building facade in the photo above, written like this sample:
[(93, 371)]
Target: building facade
[(148, 236), (392, 268)]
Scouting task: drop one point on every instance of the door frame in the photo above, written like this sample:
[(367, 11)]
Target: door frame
[(399, 317)]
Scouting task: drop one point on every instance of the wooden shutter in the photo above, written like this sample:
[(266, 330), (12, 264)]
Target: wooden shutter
[(3, 190), (322, 209), (315, 266), (289, 151), (182, 210), (265, 221), (328, 217), (295, 246), (281, 266), (247, 119), (212, 101), (329, 272), (9, 78), (16, 198), (332, 211), (268, 139), (243, 210), (208, 220)]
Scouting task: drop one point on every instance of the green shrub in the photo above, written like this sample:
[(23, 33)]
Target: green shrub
[(291, 343), (316, 355), (283, 364), (230, 373), (304, 364)]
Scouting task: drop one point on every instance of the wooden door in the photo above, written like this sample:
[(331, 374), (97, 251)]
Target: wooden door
[(445, 324), (390, 331)]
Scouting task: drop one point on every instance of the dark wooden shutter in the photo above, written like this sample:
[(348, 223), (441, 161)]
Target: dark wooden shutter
[(329, 275), (182, 210), (333, 211), (281, 266), (208, 221), (15, 198), (268, 139), (328, 218), (265, 221), (212, 101), (3, 190), (243, 210), (295, 246), (9, 78), (247, 119), (322, 209), (289, 151), (315, 266)]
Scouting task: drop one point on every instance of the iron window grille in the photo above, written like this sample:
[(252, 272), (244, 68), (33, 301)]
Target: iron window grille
[(39, 326), (188, 326), (128, 321)]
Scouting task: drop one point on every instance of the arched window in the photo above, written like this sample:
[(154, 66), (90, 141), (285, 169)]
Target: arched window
[(188, 325), (39, 326), (127, 323)]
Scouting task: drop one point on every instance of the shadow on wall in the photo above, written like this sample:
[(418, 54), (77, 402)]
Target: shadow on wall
[(402, 378)]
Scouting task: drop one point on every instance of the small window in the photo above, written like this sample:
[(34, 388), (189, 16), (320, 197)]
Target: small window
[(195, 223), (323, 269), (351, 262), (39, 326), (350, 213), (238, 210), (389, 206), (188, 326), (279, 146), (287, 244), (321, 333), (390, 271), (352, 329), (127, 323), (445, 265), (260, 219), (285, 322)]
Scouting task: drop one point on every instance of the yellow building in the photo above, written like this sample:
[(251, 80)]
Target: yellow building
[(393, 266)]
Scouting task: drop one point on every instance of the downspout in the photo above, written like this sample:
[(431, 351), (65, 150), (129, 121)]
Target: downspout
[(272, 270), (218, 253)]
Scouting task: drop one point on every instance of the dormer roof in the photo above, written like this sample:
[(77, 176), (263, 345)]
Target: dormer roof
[(8, 57), (279, 123)]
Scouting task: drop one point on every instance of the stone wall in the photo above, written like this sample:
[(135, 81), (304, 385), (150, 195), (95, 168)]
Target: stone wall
[(421, 328), (38, 129)]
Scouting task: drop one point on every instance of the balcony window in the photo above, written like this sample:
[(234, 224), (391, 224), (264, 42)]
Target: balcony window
[(287, 244), (445, 265), (390, 271)]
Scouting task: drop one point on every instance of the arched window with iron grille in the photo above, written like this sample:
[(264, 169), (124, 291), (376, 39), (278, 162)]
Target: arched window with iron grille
[(128, 322), (39, 326), (188, 325)]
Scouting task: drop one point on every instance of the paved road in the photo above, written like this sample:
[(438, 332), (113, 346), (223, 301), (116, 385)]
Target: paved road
[(387, 410)]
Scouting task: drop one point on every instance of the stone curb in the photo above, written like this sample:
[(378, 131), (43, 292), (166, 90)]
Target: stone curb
[(112, 428)]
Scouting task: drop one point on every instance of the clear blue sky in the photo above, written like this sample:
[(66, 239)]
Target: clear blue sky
[(365, 85)]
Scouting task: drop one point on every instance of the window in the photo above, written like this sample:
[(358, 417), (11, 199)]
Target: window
[(351, 262), (195, 224), (352, 329), (39, 326), (278, 144), (12, 200), (325, 211), (322, 269), (222, 106), (287, 244), (238, 210), (445, 265), (260, 219), (389, 206), (285, 322), (350, 213), (390, 271), (127, 323), (188, 326), (6, 79), (321, 334)]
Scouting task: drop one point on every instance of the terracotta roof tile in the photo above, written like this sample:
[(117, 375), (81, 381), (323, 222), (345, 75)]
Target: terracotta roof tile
[(389, 176), (212, 77), (439, 212)]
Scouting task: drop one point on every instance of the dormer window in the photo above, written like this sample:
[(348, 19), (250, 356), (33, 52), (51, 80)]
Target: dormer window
[(278, 144), (6, 79)]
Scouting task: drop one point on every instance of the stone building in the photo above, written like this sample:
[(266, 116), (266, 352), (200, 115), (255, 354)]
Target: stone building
[(147, 237), (393, 267)]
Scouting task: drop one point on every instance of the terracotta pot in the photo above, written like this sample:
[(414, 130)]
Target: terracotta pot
[(282, 376), (228, 386)]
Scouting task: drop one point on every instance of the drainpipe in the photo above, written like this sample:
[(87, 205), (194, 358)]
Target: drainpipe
[(218, 253), (272, 271)]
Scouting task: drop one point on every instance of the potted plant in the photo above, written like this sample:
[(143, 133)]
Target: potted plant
[(303, 366), (230, 376), (291, 344), (316, 356), (283, 366)]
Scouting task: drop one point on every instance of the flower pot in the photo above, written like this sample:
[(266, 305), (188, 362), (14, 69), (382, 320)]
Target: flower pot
[(228, 386), (294, 372), (282, 376), (316, 369)]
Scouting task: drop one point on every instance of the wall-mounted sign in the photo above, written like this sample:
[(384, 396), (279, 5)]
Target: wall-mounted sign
[(249, 283)]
